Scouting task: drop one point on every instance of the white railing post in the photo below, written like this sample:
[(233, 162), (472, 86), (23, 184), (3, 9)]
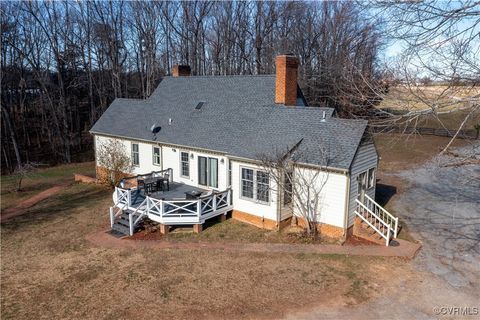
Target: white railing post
[(112, 217), (162, 209), (129, 198), (396, 228), (214, 202), (229, 197), (199, 208), (130, 223)]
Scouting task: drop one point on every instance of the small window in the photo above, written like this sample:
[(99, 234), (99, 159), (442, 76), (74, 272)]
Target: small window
[(135, 154), (247, 183), (371, 178), (156, 156), (263, 183), (185, 164)]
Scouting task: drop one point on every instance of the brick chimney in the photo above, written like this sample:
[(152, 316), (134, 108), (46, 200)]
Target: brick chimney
[(286, 80), (179, 70)]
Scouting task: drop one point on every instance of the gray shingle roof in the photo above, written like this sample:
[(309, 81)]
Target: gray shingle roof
[(238, 118)]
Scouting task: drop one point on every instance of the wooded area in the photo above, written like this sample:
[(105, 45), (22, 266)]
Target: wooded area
[(63, 63)]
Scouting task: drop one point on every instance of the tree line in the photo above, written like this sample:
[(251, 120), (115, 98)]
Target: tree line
[(64, 62)]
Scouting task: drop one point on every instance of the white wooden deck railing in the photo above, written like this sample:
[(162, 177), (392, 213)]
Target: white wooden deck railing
[(175, 211)]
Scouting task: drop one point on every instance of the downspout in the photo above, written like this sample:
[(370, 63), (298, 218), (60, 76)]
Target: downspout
[(279, 202), (161, 156), (279, 213), (347, 208)]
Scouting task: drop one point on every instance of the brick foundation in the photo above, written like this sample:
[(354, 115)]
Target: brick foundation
[(254, 220), (325, 229)]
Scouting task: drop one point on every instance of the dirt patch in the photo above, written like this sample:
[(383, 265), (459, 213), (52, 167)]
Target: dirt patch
[(20, 208)]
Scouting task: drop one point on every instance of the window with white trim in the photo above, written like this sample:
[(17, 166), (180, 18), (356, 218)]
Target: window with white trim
[(263, 186), (255, 185), (247, 183), (184, 164), (135, 154), (371, 178), (156, 156)]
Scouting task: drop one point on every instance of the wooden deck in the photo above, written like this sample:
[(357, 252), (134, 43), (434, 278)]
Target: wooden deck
[(176, 192), (169, 207)]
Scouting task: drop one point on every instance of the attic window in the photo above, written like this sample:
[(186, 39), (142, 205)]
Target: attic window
[(199, 105)]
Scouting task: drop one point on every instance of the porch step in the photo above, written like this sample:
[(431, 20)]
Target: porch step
[(364, 231)]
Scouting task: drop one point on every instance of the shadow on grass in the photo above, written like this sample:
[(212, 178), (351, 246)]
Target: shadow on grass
[(60, 205)]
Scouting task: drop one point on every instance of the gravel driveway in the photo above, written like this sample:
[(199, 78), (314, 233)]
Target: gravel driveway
[(442, 210)]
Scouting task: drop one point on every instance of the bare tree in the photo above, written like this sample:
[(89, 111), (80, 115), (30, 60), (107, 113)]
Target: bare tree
[(22, 172), (299, 186), (113, 161), (440, 43)]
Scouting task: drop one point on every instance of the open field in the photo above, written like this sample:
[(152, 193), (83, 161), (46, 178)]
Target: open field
[(418, 98)]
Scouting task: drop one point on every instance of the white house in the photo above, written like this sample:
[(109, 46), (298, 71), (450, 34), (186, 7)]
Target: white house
[(211, 133)]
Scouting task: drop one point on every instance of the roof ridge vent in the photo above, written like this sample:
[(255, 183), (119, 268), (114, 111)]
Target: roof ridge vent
[(200, 105)]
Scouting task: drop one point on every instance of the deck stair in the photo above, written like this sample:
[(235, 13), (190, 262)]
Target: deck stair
[(374, 223), (121, 225)]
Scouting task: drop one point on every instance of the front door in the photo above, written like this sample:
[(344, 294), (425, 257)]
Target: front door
[(362, 186)]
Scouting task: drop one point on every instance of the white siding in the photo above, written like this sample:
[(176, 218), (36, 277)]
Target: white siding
[(170, 158), (332, 195), (366, 158), (260, 209)]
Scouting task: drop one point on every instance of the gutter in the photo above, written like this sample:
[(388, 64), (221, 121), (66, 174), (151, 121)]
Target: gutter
[(242, 159), (159, 143)]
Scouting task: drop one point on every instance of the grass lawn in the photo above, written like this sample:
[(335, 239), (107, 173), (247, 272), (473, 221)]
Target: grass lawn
[(49, 270), (39, 181), (229, 231)]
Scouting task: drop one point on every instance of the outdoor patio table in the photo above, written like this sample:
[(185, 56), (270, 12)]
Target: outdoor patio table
[(192, 195)]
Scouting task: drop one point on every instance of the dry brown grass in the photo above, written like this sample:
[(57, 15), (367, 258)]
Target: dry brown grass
[(400, 152), (50, 271), (423, 97), (230, 231)]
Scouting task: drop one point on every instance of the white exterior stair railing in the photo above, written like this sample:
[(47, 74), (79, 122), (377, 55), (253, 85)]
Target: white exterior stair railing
[(379, 219), (383, 214)]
